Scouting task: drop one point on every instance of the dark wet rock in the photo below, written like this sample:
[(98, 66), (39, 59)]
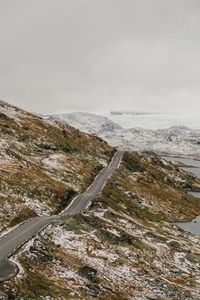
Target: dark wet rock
[(124, 238), (44, 146), (88, 273), (4, 117), (46, 255), (42, 251), (174, 245), (69, 194), (96, 170), (96, 205)]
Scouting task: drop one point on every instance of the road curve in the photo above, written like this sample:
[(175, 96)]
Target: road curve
[(12, 241)]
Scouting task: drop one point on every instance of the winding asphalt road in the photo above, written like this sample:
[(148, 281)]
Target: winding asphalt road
[(13, 240), (82, 201)]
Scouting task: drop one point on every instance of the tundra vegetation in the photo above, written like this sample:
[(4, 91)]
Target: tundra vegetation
[(43, 164), (125, 246)]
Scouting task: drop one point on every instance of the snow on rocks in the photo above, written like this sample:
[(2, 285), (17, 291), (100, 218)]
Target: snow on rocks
[(9, 111), (39, 207), (54, 161)]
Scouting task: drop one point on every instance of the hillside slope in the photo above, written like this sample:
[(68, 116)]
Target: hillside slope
[(124, 247), (43, 164)]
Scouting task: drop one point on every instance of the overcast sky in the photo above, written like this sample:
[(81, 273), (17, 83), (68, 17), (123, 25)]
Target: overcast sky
[(100, 55)]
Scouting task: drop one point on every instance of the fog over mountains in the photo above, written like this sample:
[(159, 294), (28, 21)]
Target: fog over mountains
[(175, 140)]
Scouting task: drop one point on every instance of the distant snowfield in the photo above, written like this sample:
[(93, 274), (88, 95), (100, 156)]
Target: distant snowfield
[(155, 121), (161, 133)]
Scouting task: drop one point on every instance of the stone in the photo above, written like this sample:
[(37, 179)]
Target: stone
[(88, 273)]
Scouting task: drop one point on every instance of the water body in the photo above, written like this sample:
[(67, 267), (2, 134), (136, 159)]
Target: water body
[(194, 165), (185, 161), (195, 194), (194, 225)]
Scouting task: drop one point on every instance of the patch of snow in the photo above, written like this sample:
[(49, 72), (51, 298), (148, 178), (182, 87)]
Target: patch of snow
[(113, 231), (100, 214), (9, 110), (182, 263), (53, 161), (39, 207)]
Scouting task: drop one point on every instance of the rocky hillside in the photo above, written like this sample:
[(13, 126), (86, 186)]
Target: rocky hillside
[(124, 247), (176, 140), (43, 164)]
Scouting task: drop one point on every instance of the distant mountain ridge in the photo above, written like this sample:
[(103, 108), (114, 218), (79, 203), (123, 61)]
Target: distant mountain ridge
[(134, 113), (175, 140)]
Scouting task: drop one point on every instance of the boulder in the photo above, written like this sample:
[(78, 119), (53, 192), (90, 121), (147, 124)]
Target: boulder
[(88, 273)]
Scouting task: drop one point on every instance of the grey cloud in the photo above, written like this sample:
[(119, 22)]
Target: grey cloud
[(64, 55)]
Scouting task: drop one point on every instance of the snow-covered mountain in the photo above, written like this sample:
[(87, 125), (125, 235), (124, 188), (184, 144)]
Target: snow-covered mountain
[(175, 140), (87, 122)]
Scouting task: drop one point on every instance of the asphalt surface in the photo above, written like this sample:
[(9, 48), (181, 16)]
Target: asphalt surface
[(82, 201), (13, 240)]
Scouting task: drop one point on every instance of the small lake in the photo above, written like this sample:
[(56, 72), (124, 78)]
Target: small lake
[(194, 225)]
